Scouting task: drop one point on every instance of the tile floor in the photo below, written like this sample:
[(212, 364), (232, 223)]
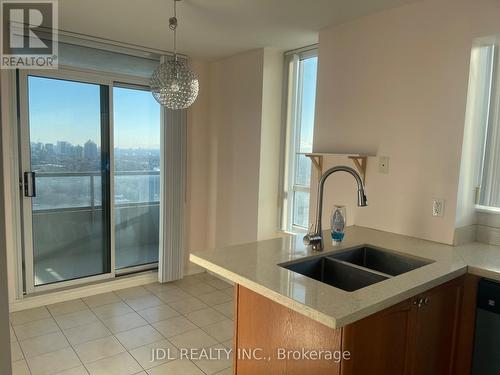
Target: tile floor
[(114, 333)]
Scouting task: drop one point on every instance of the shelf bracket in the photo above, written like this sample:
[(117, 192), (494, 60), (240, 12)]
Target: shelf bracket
[(317, 161), (358, 160), (360, 164)]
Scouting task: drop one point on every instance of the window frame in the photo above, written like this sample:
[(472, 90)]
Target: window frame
[(291, 112), (69, 73), (488, 131)]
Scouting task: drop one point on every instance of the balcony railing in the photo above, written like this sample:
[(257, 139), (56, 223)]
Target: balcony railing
[(68, 227), (57, 191)]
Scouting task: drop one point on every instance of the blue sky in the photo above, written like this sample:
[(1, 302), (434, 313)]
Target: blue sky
[(136, 119), (70, 111), (308, 103)]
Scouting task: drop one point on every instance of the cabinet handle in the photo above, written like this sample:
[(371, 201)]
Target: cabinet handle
[(419, 302)]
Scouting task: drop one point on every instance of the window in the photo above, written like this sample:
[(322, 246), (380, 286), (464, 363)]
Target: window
[(96, 208), (301, 94), (70, 238), (94, 156), (484, 111)]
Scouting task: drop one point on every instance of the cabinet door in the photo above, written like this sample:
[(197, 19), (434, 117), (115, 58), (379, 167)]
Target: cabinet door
[(467, 326), (379, 344), (269, 328), (436, 329)]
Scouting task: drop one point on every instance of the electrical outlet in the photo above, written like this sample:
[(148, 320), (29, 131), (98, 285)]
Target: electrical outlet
[(438, 207), (383, 164)]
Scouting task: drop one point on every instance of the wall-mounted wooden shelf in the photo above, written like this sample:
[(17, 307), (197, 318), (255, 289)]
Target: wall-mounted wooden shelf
[(360, 162)]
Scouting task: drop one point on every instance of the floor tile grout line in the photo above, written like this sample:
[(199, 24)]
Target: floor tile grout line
[(52, 316), (30, 321), (22, 351), (149, 324), (15, 334), (67, 339), (198, 327), (180, 314), (167, 303), (115, 355), (134, 311), (24, 358), (57, 324), (43, 334), (104, 304), (142, 346), (33, 321), (114, 334)]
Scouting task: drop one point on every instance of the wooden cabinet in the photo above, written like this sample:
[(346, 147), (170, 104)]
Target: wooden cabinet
[(267, 327), (436, 329), (430, 334), (380, 344)]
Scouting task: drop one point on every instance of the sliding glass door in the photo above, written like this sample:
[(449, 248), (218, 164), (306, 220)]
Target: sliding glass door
[(67, 179), (90, 178), (137, 176)]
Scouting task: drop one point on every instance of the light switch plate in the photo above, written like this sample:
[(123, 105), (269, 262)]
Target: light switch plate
[(438, 207)]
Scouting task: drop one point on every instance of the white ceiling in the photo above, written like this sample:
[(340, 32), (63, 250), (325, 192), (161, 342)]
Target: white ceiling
[(214, 28)]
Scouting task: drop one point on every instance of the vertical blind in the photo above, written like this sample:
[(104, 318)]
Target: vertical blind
[(173, 154)]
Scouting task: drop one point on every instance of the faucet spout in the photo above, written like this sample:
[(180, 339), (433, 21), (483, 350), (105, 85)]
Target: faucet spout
[(314, 239)]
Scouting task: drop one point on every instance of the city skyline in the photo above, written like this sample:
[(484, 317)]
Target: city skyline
[(65, 157), (33, 143), (72, 110)]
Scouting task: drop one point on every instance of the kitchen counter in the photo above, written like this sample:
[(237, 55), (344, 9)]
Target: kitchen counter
[(255, 266)]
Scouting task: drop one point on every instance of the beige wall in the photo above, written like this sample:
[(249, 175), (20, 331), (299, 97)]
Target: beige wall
[(235, 115), (395, 84), (198, 164), (233, 157)]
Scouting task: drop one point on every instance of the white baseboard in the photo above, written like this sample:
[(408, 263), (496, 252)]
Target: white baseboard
[(48, 298), (123, 282)]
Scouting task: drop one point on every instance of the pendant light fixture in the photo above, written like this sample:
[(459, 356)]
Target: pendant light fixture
[(173, 83)]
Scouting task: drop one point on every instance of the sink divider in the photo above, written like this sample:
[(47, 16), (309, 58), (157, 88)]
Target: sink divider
[(359, 267)]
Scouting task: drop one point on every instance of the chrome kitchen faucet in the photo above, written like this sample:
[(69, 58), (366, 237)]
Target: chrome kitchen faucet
[(314, 239)]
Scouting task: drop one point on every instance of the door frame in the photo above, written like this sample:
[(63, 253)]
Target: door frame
[(24, 158)]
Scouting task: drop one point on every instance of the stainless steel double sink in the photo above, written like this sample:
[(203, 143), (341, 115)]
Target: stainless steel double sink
[(355, 268)]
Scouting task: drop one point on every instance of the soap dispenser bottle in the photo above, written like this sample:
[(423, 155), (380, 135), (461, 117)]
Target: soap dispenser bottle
[(337, 224)]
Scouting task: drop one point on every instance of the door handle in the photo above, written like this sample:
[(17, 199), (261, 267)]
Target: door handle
[(29, 184)]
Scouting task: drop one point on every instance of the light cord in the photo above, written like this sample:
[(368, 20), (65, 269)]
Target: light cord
[(172, 24)]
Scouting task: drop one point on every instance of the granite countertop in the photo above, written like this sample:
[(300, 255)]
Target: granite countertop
[(255, 266)]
